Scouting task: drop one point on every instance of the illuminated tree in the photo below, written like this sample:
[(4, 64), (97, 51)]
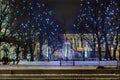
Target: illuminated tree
[(108, 19), (33, 22), (4, 19), (85, 24), (99, 17), (4, 25)]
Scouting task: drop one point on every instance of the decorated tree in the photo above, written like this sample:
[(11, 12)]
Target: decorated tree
[(4, 19), (85, 24), (4, 25), (99, 17), (108, 13), (7, 42), (33, 22)]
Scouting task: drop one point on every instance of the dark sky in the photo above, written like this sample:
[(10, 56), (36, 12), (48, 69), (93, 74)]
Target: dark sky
[(65, 11)]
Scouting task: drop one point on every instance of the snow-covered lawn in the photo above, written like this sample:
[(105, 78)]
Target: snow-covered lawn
[(70, 63)]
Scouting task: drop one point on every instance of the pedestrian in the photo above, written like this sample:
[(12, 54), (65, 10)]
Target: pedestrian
[(5, 60)]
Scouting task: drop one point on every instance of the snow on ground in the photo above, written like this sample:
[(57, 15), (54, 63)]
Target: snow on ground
[(60, 65), (71, 63), (68, 63)]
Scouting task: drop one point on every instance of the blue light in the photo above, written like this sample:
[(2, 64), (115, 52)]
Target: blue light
[(28, 21), (21, 14), (29, 14), (38, 24), (13, 0), (88, 2), (26, 24), (47, 20), (38, 4), (40, 29), (57, 25), (24, 1), (94, 22), (31, 8), (108, 18), (74, 25), (22, 24), (55, 29), (51, 23), (50, 12), (17, 11), (83, 14), (39, 15), (111, 32), (43, 5), (52, 33)]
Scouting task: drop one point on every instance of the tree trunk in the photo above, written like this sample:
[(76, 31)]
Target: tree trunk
[(94, 46), (25, 52), (107, 50), (41, 55), (83, 52), (115, 48), (17, 53), (99, 50), (31, 52), (99, 47)]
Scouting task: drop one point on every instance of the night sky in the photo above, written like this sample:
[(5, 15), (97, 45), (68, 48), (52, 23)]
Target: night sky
[(65, 11)]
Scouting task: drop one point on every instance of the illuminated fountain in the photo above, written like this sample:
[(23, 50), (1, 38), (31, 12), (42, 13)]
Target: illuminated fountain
[(67, 51)]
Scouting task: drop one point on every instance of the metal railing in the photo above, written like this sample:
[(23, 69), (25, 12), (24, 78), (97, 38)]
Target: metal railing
[(72, 62)]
